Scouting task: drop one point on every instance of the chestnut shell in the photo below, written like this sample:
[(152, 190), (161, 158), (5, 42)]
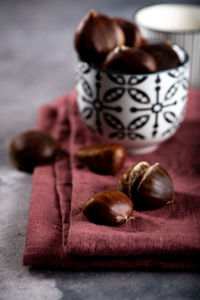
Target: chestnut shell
[(110, 207), (149, 187), (103, 158), (164, 55), (95, 36), (133, 35), (32, 148), (129, 60), (155, 189)]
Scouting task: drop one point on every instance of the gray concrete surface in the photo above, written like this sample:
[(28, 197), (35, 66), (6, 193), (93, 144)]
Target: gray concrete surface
[(37, 63)]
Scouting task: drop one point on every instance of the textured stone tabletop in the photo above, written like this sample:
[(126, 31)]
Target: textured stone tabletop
[(37, 64)]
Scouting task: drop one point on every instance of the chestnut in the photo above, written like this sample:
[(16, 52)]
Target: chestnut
[(164, 55), (95, 36), (133, 35), (131, 178), (149, 187), (129, 60), (103, 158), (110, 207), (32, 148)]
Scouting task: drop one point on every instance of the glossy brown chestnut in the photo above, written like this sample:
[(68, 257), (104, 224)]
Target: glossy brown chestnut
[(110, 207), (149, 187), (164, 55), (155, 189), (32, 148), (129, 60), (95, 36), (133, 36), (104, 158), (129, 181)]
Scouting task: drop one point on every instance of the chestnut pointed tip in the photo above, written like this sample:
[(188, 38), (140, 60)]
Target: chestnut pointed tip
[(93, 13), (110, 208), (122, 47), (171, 201), (124, 219), (121, 219), (130, 218)]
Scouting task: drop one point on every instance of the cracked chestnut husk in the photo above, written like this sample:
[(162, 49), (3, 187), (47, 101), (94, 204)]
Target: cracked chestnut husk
[(129, 60), (110, 207), (164, 55), (95, 36), (32, 148), (149, 186), (133, 35), (104, 158)]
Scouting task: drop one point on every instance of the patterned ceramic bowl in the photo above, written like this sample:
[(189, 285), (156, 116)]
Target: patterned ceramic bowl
[(137, 111)]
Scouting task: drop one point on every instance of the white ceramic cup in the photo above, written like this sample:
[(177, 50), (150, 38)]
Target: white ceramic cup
[(178, 23), (137, 111)]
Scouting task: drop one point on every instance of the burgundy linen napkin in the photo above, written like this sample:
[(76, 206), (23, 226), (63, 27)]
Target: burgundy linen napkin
[(59, 235)]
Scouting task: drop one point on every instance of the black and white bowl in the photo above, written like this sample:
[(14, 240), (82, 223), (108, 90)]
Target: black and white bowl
[(137, 111)]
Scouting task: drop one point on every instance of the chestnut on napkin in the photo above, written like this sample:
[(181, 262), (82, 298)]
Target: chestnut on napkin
[(59, 235)]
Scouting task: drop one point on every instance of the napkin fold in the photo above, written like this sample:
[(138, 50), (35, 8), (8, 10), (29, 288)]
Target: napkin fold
[(59, 235)]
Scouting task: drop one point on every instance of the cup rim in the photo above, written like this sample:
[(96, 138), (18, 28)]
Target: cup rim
[(142, 74), (176, 32)]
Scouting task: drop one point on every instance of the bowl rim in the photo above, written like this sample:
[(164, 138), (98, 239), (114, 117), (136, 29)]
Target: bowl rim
[(175, 32), (142, 74)]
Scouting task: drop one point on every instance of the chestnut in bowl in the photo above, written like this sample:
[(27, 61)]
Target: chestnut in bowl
[(95, 36), (125, 59)]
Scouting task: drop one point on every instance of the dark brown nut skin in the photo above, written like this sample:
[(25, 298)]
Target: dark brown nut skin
[(155, 189), (164, 55), (32, 148), (133, 36), (129, 60), (95, 36), (110, 207), (149, 187), (123, 183), (129, 181), (104, 158)]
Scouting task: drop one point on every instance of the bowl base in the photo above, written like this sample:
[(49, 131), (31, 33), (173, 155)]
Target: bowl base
[(142, 150)]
